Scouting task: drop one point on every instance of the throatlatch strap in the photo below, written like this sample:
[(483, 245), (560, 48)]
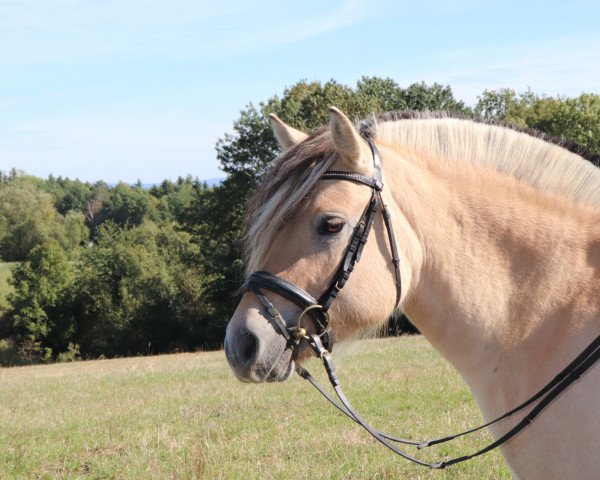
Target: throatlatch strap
[(387, 218)]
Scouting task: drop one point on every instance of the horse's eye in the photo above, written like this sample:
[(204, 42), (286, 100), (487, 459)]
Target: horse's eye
[(331, 226)]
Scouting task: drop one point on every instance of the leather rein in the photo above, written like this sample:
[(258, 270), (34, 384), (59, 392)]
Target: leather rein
[(321, 342)]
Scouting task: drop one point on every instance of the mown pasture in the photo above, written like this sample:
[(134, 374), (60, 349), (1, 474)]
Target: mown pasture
[(184, 416)]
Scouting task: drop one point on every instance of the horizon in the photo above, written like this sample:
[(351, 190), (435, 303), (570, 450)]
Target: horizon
[(121, 91), (211, 182)]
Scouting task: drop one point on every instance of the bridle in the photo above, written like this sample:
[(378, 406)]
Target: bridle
[(322, 340), (318, 308)]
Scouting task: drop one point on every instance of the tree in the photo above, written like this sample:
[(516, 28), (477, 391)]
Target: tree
[(27, 219), (174, 198), (498, 104), (129, 206), (576, 119), (93, 209), (72, 232), (216, 223), (68, 194), (39, 320), (140, 290)]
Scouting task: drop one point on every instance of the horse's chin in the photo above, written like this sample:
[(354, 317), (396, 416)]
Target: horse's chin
[(260, 372)]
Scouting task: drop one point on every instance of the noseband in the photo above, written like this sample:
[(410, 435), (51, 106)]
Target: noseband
[(321, 341), (318, 309)]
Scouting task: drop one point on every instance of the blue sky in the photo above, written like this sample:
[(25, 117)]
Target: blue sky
[(128, 89)]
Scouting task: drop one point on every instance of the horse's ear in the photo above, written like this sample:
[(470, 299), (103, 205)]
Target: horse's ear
[(348, 141), (286, 136)]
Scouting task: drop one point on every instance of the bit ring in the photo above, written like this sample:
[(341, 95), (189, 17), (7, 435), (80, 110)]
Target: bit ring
[(300, 332)]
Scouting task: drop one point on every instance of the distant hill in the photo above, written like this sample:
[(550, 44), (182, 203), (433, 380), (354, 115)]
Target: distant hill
[(211, 182)]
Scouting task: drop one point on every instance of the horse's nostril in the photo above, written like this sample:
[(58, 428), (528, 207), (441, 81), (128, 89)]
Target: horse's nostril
[(249, 347), (241, 348)]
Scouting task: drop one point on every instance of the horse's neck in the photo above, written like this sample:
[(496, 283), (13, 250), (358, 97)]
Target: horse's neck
[(506, 272)]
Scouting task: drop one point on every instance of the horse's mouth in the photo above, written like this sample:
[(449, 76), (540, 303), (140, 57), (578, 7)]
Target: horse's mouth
[(283, 368), (279, 371)]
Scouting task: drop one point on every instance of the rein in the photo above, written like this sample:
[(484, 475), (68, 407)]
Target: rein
[(321, 342)]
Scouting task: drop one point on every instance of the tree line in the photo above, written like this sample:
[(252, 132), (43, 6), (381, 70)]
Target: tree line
[(122, 270)]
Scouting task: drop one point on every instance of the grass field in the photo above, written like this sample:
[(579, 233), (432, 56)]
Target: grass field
[(184, 416)]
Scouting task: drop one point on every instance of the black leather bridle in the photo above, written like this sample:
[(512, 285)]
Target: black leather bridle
[(322, 340), (318, 308)]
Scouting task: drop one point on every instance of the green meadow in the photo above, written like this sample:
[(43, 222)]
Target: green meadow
[(184, 416)]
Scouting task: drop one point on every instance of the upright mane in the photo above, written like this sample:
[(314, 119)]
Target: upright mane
[(547, 163)]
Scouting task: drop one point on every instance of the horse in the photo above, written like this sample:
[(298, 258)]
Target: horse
[(497, 238)]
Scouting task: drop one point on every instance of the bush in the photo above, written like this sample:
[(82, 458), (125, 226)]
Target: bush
[(140, 291), (38, 319)]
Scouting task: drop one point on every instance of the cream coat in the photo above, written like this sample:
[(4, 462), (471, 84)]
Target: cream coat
[(500, 253)]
